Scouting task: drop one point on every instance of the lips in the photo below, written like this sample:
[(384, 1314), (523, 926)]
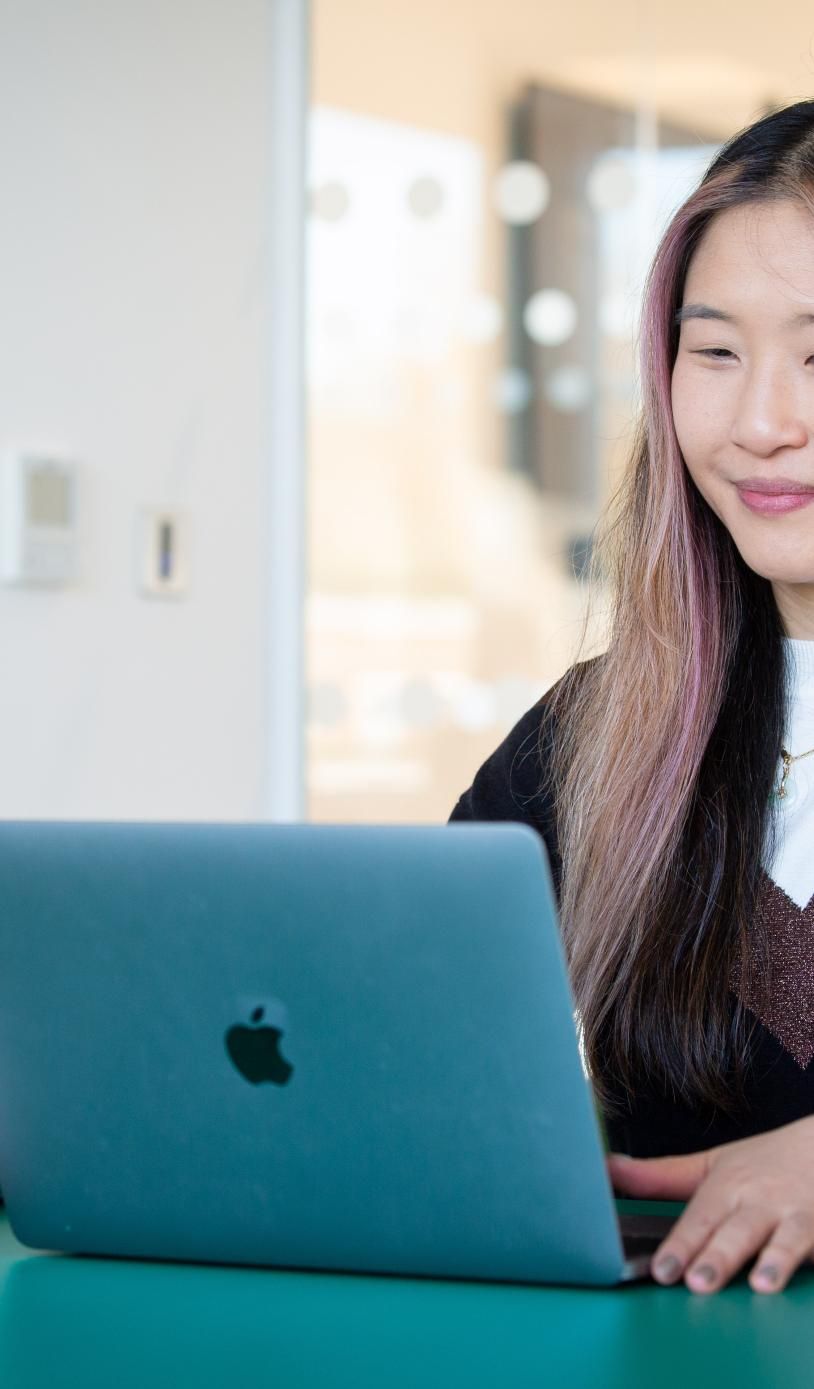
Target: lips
[(775, 487), (774, 503)]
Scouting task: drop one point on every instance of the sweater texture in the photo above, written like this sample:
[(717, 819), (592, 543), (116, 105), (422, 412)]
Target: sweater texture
[(511, 785)]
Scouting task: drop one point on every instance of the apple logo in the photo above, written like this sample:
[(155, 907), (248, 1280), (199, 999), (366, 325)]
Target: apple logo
[(254, 1051)]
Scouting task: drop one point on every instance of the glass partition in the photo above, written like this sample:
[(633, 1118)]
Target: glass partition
[(486, 187)]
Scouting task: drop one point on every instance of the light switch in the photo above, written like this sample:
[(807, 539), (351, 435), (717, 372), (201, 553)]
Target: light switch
[(162, 554)]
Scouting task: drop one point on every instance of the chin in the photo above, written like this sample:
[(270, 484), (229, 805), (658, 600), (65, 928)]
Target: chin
[(771, 567)]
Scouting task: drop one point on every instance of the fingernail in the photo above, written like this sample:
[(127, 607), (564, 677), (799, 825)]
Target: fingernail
[(621, 1157), (705, 1273), (769, 1273), (667, 1267)]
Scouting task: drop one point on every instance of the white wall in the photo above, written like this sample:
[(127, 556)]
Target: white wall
[(134, 208)]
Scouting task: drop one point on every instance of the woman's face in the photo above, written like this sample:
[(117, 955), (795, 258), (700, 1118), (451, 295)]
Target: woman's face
[(743, 388)]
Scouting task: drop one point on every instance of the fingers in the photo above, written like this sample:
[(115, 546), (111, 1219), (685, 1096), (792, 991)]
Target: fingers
[(707, 1248), (708, 1253), (751, 1197), (658, 1179), (791, 1243)]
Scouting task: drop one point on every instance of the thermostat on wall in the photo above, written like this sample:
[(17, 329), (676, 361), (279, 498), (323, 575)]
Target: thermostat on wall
[(38, 519)]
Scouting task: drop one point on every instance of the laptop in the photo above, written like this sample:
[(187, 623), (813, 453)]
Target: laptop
[(301, 1046)]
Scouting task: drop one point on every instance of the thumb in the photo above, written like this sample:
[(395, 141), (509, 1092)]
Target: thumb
[(658, 1179)]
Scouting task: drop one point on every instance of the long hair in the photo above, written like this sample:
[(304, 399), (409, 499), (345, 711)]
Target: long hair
[(668, 743)]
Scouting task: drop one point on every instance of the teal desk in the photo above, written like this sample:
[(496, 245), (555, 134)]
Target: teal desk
[(112, 1324)]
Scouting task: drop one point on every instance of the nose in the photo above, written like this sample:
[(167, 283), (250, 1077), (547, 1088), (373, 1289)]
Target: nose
[(768, 414)]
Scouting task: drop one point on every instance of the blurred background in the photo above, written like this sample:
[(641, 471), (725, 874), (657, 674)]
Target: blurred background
[(317, 365)]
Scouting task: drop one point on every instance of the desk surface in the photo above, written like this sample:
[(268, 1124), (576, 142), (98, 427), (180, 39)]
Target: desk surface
[(111, 1324)]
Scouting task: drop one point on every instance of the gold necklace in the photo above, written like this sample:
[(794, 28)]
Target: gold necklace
[(787, 761)]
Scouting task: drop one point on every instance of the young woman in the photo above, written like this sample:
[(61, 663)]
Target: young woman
[(667, 776)]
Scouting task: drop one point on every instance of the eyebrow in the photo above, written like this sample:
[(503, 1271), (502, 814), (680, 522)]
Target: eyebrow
[(707, 311)]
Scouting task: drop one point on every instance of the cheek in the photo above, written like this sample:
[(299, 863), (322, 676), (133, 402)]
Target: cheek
[(680, 404), (694, 423), (697, 439)]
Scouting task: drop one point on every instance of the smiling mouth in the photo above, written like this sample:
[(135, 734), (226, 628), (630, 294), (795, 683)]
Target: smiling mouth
[(774, 503), (781, 487)]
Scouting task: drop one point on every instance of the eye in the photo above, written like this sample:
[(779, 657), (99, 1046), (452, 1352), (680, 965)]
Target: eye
[(714, 353)]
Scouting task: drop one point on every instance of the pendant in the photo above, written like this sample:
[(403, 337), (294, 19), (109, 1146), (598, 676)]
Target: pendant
[(791, 792), (790, 795), (784, 793)]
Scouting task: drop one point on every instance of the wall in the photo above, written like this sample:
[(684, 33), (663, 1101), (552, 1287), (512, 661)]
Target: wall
[(133, 153)]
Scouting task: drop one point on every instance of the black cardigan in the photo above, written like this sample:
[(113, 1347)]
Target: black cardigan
[(512, 785)]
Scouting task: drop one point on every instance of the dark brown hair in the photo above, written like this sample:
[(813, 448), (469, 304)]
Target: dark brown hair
[(668, 744)]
